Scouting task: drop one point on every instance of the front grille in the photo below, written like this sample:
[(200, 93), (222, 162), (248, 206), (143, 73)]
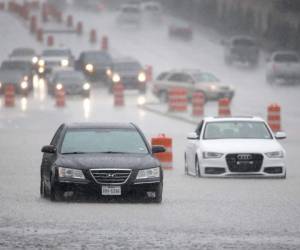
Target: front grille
[(242, 163), (110, 176)]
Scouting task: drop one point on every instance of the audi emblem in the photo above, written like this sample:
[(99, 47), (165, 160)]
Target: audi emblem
[(244, 157)]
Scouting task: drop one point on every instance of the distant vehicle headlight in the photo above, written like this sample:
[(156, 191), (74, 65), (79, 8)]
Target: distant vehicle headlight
[(275, 154), (64, 62), (41, 70), (86, 86), (148, 173), (142, 77), (59, 86), (108, 72), (41, 63), (24, 85), (116, 78), (70, 173), (34, 60), (211, 155), (25, 78), (213, 87), (0, 85), (89, 67)]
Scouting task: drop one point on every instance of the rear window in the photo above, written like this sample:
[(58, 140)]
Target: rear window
[(244, 42), (56, 53), (286, 58), (97, 57)]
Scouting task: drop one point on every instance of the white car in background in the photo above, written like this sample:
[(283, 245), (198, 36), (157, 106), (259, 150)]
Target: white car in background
[(235, 147), (283, 65)]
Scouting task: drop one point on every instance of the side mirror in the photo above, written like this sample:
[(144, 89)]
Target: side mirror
[(50, 149), (280, 135), (158, 149), (192, 136)]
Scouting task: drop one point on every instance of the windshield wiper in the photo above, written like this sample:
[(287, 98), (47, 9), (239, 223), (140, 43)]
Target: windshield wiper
[(112, 152), (74, 153)]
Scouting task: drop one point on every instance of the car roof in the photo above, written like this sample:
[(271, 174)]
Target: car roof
[(125, 60), (100, 125), (233, 118)]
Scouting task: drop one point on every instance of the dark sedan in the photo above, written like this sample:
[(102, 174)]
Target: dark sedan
[(107, 160)]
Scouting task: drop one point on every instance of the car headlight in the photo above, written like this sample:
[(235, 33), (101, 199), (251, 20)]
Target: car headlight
[(148, 173), (59, 86), (64, 62), (142, 77), (213, 87), (210, 155), (25, 78), (86, 86), (275, 154), (24, 85), (41, 63), (34, 60), (70, 173), (116, 78), (108, 72), (89, 67), (41, 70)]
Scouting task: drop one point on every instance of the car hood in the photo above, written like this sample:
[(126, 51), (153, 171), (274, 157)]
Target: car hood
[(240, 145), (119, 161)]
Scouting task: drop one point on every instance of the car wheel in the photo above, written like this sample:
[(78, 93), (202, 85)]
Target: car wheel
[(158, 194), (197, 168), (56, 194), (163, 96), (42, 189)]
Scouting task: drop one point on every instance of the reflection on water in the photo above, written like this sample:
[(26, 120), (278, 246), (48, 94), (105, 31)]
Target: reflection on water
[(86, 107), (141, 100), (35, 81), (23, 103), (42, 89)]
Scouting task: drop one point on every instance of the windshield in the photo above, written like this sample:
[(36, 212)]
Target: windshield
[(286, 58), (23, 52), (50, 53), (103, 140), (205, 77), (236, 130), (13, 65), (97, 57), (127, 66)]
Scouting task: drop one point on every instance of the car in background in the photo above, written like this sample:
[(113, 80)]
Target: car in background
[(243, 49), (15, 78), (283, 65), (73, 82), (94, 64), (235, 147), (24, 67), (51, 58), (180, 30), (192, 81), (92, 5), (152, 11), (24, 54), (129, 72), (104, 159), (129, 14)]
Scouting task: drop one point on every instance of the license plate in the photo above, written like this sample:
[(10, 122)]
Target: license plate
[(111, 190)]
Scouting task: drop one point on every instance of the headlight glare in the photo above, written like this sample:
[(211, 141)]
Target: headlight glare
[(59, 86), (70, 173), (108, 72), (142, 77), (24, 85), (275, 154), (86, 86), (64, 62), (148, 173), (211, 155), (34, 60), (41, 63), (116, 78), (89, 67)]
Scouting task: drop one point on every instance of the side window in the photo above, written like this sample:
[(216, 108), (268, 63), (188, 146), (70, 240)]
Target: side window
[(199, 128), (187, 78), (177, 77), (56, 136)]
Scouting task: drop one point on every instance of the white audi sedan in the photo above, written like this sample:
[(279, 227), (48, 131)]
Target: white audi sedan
[(235, 147)]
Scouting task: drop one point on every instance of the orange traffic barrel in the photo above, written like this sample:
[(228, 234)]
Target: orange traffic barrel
[(33, 24), (165, 158), (70, 21), (274, 117), (198, 101), (79, 28), (118, 91), (60, 97), (40, 35), (177, 99), (50, 41), (224, 107), (9, 95), (104, 43), (149, 73), (93, 36)]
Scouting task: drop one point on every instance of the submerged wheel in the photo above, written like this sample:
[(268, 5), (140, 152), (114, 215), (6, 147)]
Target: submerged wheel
[(197, 168), (186, 171)]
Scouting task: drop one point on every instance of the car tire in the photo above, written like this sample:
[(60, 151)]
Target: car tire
[(56, 194), (158, 194), (197, 168), (186, 171), (163, 96), (43, 192)]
